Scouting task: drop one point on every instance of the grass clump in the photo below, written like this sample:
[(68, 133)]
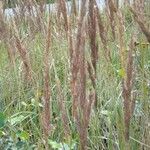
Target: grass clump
[(75, 79)]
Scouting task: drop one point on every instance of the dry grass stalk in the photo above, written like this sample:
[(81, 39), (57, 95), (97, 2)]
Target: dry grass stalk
[(92, 34), (129, 98), (63, 10), (70, 41), (2, 26), (75, 58), (83, 120), (111, 9), (19, 13), (36, 15), (81, 105), (11, 53), (102, 33), (121, 32), (128, 69), (81, 81), (46, 108), (93, 45), (25, 58), (31, 17), (139, 19)]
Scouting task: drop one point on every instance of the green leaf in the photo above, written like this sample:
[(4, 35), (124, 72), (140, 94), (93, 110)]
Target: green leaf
[(16, 119), (23, 135), (121, 72), (55, 145), (2, 119)]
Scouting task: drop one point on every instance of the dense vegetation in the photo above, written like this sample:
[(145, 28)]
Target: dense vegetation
[(13, 3), (78, 80)]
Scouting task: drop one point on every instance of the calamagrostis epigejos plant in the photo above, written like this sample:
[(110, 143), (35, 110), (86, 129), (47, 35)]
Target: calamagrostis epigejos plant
[(127, 68), (102, 33), (128, 93), (82, 102), (24, 54), (46, 88), (62, 10), (139, 18), (92, 27), (74, 60), (110, 12)]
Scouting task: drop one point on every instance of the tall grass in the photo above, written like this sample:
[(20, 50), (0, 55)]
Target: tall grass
[(75, 79)]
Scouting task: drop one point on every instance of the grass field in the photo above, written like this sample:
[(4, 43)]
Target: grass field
[(78, 81)]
